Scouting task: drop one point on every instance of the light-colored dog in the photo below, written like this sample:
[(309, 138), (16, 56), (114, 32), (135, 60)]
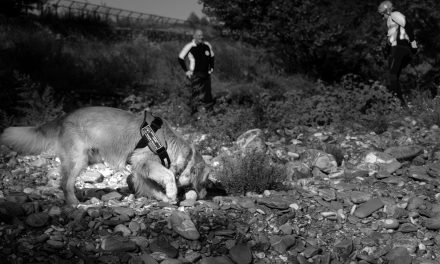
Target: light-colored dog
[(113, 134)]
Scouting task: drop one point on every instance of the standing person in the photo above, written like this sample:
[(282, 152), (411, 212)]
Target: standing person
[(400, 45), (201, 65)]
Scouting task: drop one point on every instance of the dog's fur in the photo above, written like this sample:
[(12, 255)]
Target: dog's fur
[(113, 134)]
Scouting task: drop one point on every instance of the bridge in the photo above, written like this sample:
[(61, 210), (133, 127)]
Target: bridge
[(124, 20)]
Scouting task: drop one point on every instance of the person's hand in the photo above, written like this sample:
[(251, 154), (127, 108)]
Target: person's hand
[(414, 47), (189, 74), (210, 71), (414, 44)]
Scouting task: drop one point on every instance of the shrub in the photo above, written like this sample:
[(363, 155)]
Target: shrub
[(428, 110), (376, 122), (253, 172), (236, 62), (227, 126), (323, 104), (6, 120), (37, 104)]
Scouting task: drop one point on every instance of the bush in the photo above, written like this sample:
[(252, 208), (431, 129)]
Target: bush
[(36, 104), (227, 126), (321, 104), (6, 120), (330, 44), (239, 62), (253, 172), (427, 110), (285, 103)]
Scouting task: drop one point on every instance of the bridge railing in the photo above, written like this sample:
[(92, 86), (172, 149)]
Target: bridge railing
[(72, 7)]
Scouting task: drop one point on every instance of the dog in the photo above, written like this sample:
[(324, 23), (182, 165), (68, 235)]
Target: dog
[(77, 138)]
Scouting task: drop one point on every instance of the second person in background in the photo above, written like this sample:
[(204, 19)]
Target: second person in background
[(400, 47), (201, 65)]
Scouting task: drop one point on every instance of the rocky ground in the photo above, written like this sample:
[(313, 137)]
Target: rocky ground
[(377, 202)]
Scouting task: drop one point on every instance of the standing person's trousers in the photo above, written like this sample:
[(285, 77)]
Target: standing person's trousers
[(399, 58), (200, 92)]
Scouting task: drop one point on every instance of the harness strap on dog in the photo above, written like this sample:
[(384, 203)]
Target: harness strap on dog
[(148, 133)]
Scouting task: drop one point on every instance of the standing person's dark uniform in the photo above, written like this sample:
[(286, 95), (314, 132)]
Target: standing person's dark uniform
[(201, 65), (400, 45)]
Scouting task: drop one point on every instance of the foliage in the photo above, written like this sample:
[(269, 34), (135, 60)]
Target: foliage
[(328, 39), (227, 126), (253, 172), (193, 20), (16, 7), (427, 110), (91, 71), (204, 21), (287, 103), (240, 62), (306, 38), (87, 70), (89, 26), (6, 120), (36, 104), (248, 83), (326, 104)]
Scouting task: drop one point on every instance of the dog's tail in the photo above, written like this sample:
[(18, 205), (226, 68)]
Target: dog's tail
[(32, 140)]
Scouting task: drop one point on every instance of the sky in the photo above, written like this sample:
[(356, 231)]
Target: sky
[(180, 9)]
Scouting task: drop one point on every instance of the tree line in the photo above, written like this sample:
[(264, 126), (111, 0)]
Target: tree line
[(330, 38), (326, 39)]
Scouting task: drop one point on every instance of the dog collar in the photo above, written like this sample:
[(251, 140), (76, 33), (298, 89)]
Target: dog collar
[(148, 134)]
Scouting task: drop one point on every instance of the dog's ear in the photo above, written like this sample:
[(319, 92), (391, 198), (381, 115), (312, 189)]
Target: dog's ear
[(149, 116), (205, 173), (202, 181), (199, 174)]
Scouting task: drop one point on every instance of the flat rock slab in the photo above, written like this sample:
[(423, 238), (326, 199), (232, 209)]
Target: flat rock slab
[(366, 209), (404, 152), (275, 202), (119, 244)]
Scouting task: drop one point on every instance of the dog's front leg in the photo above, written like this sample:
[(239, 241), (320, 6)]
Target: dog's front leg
[(165, 178), (147, 171), (152, 179)]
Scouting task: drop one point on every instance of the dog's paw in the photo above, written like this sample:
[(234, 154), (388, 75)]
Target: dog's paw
[(173, 201), (168, 200)]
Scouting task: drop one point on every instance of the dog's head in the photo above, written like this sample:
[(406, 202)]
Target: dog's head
[(196, 173)]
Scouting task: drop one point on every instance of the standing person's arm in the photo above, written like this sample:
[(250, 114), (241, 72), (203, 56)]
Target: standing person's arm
[(211, 59), (211, 64), (401, 20), (183, 53), (409, 29)]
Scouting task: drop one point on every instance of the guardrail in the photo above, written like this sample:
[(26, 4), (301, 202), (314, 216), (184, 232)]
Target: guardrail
[(72, 7)]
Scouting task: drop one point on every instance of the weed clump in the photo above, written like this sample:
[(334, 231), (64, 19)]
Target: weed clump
[(253, 172)]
